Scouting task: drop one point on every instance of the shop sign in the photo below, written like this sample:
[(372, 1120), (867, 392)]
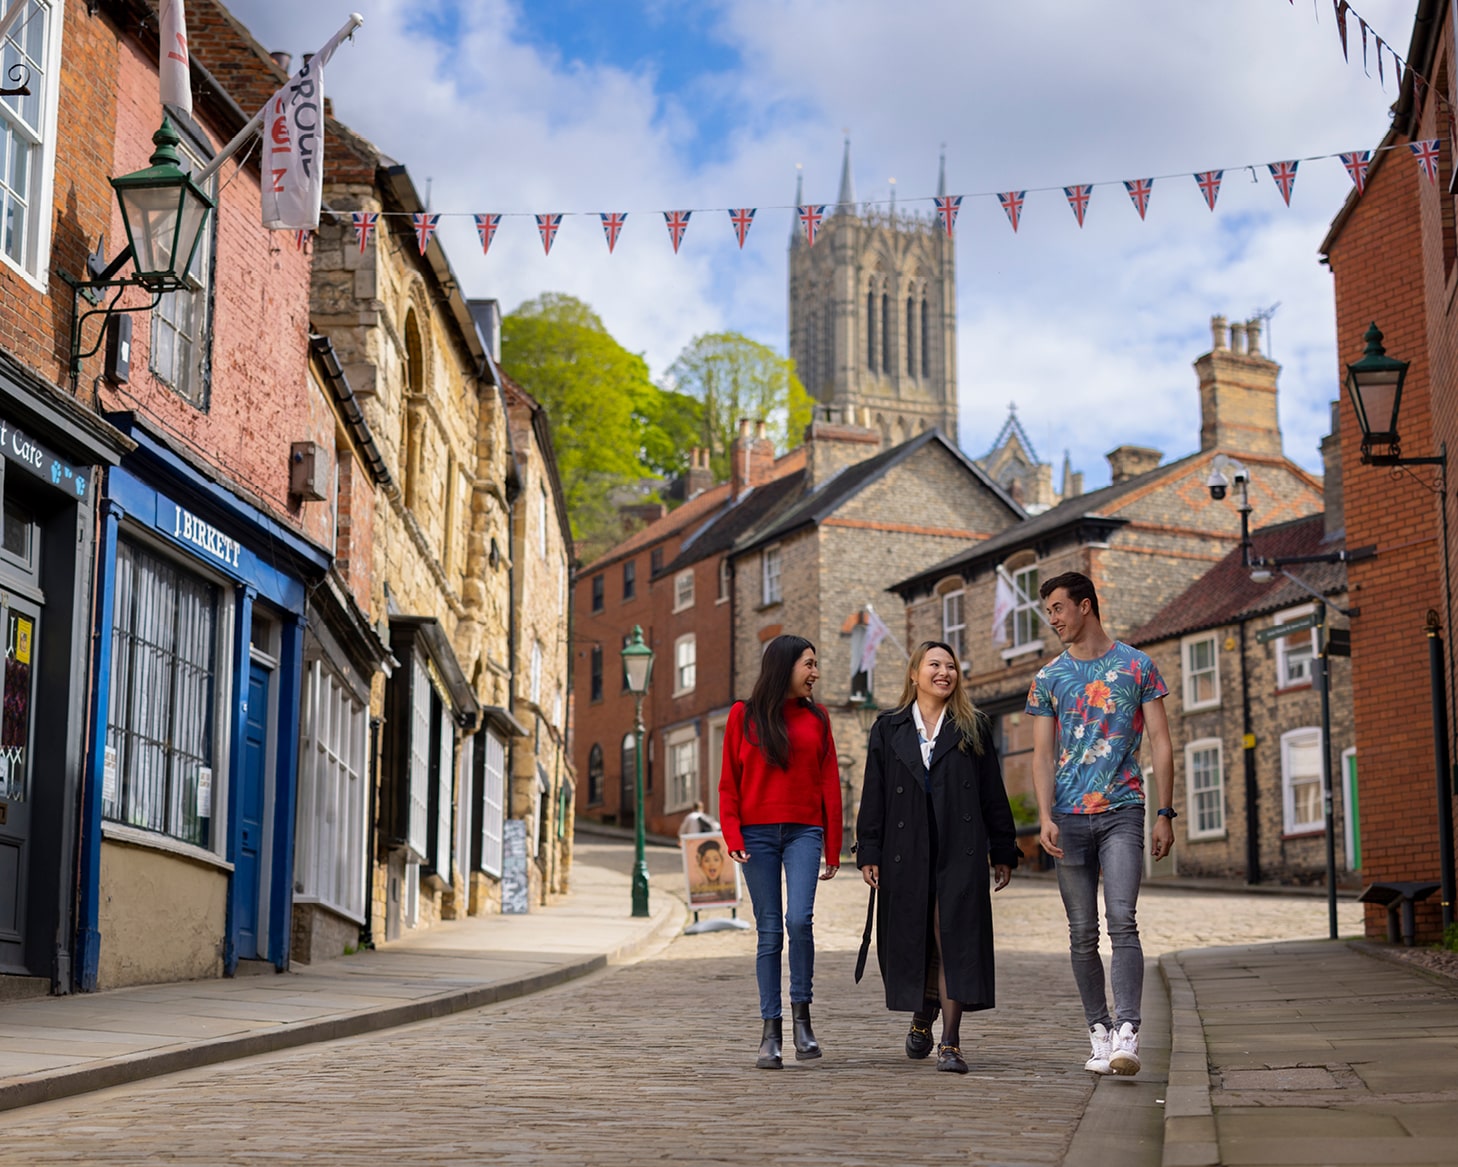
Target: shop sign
[(24, 450), (188, 529)]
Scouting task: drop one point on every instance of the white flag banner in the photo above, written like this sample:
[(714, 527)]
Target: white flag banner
[(876, 631), (293, 145), (174, 75), (1004, 602)]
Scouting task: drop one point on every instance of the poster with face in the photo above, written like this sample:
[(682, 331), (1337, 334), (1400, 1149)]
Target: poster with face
[(713, 878)]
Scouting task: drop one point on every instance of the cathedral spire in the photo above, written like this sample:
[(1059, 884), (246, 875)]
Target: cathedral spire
[(795, 232), (845, 203), (942, 176)]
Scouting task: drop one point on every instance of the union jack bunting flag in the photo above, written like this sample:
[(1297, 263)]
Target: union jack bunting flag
[(1340, 7), (677, 224), (1012, 203), (425, 229), (947, 208), (1381, 80), (364, 223), (1078, 197), (1426, 153), (1139, 191), (300, 236), (741, 217), (1284, 175), (547, 228), (486, 225), (810, 218), (1209, 181), (612, 224), (1356, 163)]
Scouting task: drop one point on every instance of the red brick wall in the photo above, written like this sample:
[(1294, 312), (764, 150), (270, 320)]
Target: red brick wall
[(1377, 261), (259, 399)]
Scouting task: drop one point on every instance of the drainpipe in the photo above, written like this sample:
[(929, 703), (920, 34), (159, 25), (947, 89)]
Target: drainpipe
[(367, 929)]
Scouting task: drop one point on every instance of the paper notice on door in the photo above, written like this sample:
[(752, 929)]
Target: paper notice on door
[(108, 776), (22, 640), (205, 792)]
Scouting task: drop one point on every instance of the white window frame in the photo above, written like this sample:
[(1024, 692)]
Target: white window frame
[(1284, 647), (445, 796), (685, 664), (1027, 614), (1192, 675), (771, 565), (954, 624), (1200, 824), (1292, 740), (493, 801), (536, 676), (329, 859), (40, 140), (190, 375), (683, 590), (681, 746), (726, 581), (417, 830)]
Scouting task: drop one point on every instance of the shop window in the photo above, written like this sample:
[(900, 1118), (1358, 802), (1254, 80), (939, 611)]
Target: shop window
[(1205, 788), (1202, 671), (164, 693), (181, 349), (1301, 781), (28, 139), (329, 860)]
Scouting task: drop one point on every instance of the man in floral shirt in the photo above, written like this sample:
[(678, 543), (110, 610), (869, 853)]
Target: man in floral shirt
[(1093, 705)]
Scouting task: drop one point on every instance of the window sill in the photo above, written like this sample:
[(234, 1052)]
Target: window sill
[(1208, 837), (683, 608), (765, 607), (1018, 650), (1296, 687), (677, 693), (721, 600), (679, 809), (1202, 708), (1304, 833), (137, 837)]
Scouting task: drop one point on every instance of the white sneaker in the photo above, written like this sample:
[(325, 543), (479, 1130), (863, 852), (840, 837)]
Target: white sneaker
[(1124, 1058), (1098, 1062)]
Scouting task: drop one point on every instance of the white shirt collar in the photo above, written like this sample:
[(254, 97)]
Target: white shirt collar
[(927, 741)]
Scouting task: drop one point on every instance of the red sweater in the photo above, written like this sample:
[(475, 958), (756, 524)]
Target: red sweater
[(754, 792)]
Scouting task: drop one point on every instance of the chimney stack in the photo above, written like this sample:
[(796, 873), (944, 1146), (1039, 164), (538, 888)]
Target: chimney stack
[(831, 446), (752, 457), (1331, 487), (699, 477), (1238, 392), (1130, 461)]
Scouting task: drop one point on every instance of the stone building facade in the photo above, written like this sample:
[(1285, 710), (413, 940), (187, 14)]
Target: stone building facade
[(541, 789), (1392, 252), (873, 315), (1142, 540), (1245, 716)]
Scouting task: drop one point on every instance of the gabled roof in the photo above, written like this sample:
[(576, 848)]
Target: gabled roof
[(1012, 428), (734, 521), (819, 504), (1226, 594)]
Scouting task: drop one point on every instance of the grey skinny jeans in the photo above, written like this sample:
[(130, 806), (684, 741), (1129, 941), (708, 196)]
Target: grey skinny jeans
[(1111, 842)]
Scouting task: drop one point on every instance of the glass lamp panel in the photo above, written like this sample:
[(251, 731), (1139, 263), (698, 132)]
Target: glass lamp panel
[(1376, 401), (152, 215)]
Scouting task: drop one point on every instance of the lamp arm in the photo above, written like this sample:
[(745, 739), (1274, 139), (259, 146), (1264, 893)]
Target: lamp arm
[(79, 318)]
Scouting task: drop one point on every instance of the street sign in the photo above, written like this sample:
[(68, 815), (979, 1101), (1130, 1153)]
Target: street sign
[(1277, 631)]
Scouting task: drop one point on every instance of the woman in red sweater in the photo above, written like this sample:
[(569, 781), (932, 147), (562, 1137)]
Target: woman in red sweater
[(779, 803)]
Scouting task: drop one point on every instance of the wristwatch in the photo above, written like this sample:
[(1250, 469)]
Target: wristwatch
[(1167, 812)]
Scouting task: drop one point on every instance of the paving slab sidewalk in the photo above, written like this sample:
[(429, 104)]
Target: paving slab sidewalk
[(54, 1047), (1311, 1052)]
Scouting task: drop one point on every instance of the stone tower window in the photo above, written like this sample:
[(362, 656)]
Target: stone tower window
[(885, 333), (910, 333), (411, 419), (871, 330), (925, 340)]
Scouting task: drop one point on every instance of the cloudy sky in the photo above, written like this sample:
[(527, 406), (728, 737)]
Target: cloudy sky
[(652, 105)]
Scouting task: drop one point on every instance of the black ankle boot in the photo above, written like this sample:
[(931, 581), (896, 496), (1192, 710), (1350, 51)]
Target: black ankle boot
[(769, 1045), (805, 1044)]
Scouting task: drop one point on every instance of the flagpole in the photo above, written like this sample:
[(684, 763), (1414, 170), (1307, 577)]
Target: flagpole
[(1022, 595), (242, 136)]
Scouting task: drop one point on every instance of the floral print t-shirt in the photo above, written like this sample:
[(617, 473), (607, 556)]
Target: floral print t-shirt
[(1100, 709)]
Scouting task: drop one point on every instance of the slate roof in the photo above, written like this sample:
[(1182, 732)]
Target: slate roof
[(1227, 595), (736, 520)]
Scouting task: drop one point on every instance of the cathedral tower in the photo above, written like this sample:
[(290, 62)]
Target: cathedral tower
[(873, 315)]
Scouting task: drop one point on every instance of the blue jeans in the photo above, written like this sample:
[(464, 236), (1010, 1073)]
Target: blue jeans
[(1114, 843), (795, 849)]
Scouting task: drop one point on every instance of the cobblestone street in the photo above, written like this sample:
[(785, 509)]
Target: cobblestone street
[(654, 1062)]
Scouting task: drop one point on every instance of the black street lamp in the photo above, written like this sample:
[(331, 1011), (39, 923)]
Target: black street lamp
[(1374, 384), (164, 212), (638, 673)]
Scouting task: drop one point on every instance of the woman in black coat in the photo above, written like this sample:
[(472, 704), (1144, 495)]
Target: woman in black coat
[(933, 811)]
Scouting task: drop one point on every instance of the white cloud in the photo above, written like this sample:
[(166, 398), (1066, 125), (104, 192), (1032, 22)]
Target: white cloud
[(1091, 331)]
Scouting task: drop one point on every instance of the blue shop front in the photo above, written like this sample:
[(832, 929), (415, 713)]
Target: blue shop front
[(188, 847)]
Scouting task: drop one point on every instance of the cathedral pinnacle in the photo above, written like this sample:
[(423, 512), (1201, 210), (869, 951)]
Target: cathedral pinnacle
[(942, 176), (845, 203), (795, 232)]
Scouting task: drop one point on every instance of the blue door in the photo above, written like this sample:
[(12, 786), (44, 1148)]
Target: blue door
[(250, 811)]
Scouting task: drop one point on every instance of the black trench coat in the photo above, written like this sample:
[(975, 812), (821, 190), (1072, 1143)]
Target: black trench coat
[(974, 825)]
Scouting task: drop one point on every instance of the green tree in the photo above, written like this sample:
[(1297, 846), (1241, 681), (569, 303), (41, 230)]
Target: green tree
[(735, 377)]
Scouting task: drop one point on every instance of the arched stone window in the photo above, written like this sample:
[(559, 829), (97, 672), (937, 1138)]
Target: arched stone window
[(871, 328), (885, 332), (411, 417), (925, 339)]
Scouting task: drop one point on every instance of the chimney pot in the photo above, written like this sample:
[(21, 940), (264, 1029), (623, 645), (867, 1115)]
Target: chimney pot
[(282, 60), (1253, 337), (759, 431), (1237, 337), (744, 427), (1217, 332)]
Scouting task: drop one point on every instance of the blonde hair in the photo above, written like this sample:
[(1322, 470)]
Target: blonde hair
[(970, 720)]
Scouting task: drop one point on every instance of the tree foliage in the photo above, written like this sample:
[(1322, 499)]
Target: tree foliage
[(734, 377)]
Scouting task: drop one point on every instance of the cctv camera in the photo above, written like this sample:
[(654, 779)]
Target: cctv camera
[(1217, 483)]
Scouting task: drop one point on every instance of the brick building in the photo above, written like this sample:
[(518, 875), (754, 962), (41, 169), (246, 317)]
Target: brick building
[(1392, 256), (1143, 540), (1245, 716)]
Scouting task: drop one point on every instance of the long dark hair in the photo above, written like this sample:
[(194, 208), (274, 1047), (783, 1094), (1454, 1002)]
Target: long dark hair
[(765, 713)]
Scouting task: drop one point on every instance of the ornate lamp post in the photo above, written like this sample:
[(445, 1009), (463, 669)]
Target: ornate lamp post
[(1374, 384), (638, 673)]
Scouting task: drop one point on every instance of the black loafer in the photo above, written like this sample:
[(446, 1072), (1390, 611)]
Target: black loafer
[(919, 1039), (950, 1060)]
